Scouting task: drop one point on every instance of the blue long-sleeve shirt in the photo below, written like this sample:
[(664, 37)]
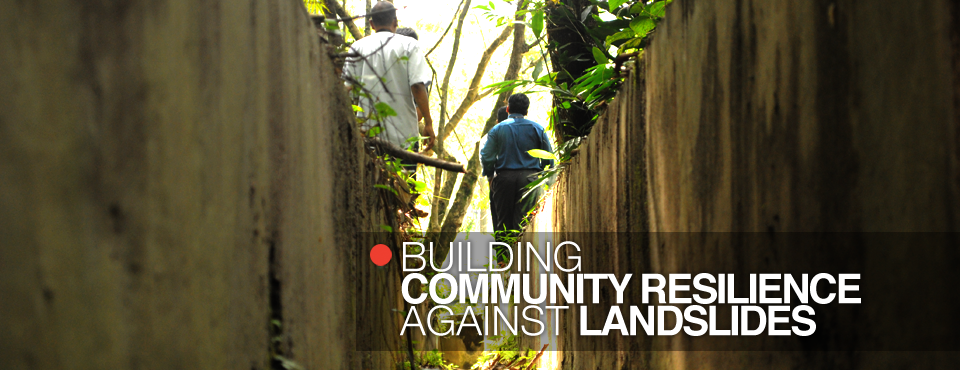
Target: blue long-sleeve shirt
[(508, 143)]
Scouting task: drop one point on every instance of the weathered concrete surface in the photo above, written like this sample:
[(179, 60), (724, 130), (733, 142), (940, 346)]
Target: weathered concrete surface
[(763, 116), (174, 175), (803, 116)]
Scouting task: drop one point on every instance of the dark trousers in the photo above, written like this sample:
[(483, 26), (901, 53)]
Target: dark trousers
[(506, 205)]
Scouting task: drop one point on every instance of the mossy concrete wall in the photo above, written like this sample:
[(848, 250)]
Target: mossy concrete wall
[(174, 176), (759, 116)]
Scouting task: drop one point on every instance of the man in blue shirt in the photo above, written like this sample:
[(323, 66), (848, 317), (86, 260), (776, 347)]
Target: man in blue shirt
[(509, 167)]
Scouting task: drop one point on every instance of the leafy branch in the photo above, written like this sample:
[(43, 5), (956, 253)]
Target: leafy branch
[(618, 31)]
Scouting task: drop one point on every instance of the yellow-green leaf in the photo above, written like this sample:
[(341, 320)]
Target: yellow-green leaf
[(542, 154)]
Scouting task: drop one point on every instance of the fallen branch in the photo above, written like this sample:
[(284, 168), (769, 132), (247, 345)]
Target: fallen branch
[(398, 152), (534, 361)]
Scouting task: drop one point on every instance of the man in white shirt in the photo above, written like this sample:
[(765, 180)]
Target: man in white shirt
[(392, 70)]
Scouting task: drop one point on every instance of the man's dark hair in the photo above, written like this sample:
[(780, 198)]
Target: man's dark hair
[(502, 114), (518, 103), (407, 31), (383, 14)]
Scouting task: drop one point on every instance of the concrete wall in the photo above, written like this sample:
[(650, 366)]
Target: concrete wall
[(763, 116), (803, 115), (175, 175)]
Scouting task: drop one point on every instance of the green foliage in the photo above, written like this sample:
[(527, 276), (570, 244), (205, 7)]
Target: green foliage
[(599, 56), (431, 359), (503, 342), (625, 31), (384, 110), (622, 32), (331, 25), (315, 6), (418, 186), (562, 156), (613, 4), (507, 348), (536, 24), (501, 16)]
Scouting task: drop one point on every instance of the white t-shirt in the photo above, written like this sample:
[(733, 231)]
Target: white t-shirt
[(388, 65)]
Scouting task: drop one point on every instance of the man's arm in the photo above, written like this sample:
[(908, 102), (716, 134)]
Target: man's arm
[(422, 101), (488, 155)]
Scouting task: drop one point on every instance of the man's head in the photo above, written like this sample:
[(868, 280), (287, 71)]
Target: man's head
[(407, 31), (502, 114), (518, 103), (383, 16)]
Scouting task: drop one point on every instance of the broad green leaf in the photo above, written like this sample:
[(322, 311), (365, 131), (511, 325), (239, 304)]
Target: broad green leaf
[(536, 24), (657, 9), (386, 228), (537, 69), (357, 108), (614, 4), (625, 34), (599, 56), (548, 79), (374, 131), (542, 154), (642, 26), (384, 110), (563, 92), (566, 105), (631, 44)]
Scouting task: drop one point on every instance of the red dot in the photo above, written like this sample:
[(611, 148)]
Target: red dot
[(380, 254)]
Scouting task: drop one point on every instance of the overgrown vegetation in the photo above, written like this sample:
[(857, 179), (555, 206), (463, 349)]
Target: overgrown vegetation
[(577, 53), (426, 359), (615, 33), (505, 351), (619, 31)]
